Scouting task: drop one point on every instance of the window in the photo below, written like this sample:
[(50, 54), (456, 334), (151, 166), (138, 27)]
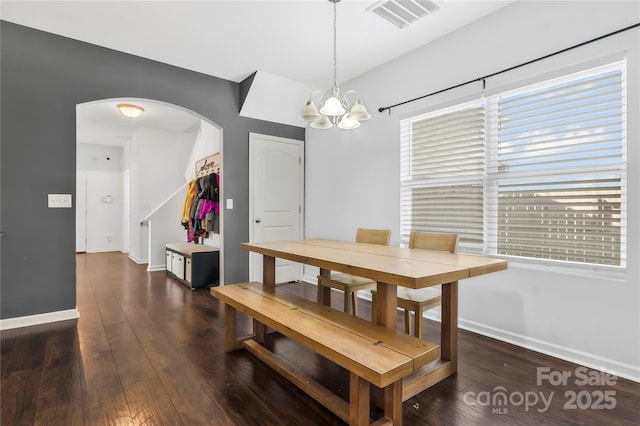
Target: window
[(536, 173)]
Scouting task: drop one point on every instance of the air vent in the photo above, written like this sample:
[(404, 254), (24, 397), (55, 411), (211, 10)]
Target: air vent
[(401, 13)]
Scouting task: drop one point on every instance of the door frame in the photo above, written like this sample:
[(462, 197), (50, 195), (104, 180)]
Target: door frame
[(277, 139), (81, 211)]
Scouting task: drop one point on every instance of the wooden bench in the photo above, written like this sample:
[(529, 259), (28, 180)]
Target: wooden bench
[(371, 353)]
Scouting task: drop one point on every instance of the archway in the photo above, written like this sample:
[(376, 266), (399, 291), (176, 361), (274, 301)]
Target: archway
[(136, 170)]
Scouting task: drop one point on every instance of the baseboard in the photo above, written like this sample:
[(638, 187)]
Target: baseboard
[(610, 366), (626, 371), (29, 320), (310, 279), (138, 261), (154, 268), (103, 250)]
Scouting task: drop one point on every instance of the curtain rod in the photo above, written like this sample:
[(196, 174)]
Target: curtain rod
[(482, 79)]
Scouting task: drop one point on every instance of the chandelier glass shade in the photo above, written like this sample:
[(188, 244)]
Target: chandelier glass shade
[(335, 110)]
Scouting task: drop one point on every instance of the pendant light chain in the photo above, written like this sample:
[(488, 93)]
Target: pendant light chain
[(335, 111), (335, 43)]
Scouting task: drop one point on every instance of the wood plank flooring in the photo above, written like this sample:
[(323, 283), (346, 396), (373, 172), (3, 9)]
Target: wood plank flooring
[(149, 351)]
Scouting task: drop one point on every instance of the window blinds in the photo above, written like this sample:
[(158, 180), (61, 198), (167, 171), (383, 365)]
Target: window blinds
[(560, 170), (443, 168), (537, 172)]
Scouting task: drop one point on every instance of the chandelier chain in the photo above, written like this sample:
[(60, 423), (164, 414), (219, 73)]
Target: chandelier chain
[(335, 37), (335, 111)]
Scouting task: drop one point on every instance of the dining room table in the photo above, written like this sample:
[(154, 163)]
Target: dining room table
[(390, 267)]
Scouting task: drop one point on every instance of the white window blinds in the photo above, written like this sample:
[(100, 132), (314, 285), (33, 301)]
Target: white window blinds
[(560, 170), (442, 173), (537, 172)]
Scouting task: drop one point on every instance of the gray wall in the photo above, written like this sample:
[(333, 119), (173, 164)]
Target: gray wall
[(43, 77)]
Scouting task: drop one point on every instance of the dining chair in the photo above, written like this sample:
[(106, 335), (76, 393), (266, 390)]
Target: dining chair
[(350, 284), (417, 301)]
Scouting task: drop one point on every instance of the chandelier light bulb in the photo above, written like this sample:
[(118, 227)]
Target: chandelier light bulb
[(322, 123), (310, 112), (332, 107), (348, 124), (359, 112)]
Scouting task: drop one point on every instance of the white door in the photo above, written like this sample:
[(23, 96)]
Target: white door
[(276, 194), (81, 212)]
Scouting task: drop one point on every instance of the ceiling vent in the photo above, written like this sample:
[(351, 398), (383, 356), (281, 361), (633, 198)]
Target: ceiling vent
[(401, 13)]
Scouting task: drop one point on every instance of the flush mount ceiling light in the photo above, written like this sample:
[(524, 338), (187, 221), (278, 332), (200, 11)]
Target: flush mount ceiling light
[(335, 110), (130, 110)]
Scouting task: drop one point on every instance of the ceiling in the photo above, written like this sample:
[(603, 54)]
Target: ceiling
[(233, 39), (101, 123)]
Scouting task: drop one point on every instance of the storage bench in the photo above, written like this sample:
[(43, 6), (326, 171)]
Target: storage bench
[(194, 265)]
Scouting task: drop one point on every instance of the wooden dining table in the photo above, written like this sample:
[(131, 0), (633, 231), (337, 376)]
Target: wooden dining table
[(390, 267)]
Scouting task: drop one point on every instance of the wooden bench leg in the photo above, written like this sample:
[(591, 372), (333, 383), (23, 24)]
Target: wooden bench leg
[(393, 403), (230, 340), (358, 401), (259, 331)]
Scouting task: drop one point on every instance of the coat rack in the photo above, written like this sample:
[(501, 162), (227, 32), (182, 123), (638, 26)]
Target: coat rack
[(209, 165)]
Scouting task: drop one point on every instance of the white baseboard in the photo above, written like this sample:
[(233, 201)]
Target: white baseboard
[(103, 250), (610, 366), (310, 279), (161, 267), (29, 320), (138, 261)]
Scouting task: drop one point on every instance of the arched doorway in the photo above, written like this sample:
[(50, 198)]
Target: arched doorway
[(131, 171)]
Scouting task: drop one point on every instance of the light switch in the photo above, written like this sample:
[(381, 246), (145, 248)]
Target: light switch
[(229, 203), (59, 201)]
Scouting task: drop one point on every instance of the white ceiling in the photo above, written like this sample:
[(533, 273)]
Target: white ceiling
[(233, 39), (101, 123)]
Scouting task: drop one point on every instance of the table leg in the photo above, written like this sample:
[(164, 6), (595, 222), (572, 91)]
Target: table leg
[(268, 283), (449, 327), (386, 305), (419, 381), (324, 293), (386, 314), (268, 272)]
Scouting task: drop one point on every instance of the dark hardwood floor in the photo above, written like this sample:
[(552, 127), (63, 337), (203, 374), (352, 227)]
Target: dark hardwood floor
[(149, 351)]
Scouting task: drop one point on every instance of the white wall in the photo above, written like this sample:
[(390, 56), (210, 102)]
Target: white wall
[(104, 211), (163, 229), (102, 166), (99, 157), (353, 177), (208, 142), (156, 160)]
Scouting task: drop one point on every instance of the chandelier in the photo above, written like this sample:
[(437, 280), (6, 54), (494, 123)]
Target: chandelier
[(335, 110)]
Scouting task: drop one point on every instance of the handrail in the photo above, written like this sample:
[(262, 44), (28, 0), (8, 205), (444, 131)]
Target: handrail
[(146, 218)]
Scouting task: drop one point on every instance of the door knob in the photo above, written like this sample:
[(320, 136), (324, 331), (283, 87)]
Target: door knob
[(258, 220)]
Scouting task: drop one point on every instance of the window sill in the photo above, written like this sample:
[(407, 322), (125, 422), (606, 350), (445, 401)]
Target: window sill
[(611, 273)]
